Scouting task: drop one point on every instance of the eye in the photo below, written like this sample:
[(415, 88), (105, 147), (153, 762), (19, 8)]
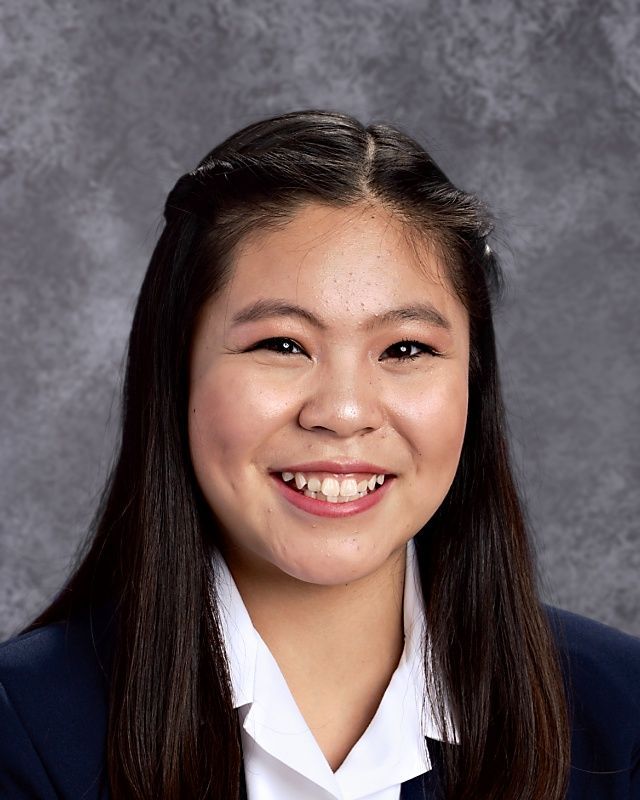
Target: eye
[(278, 344), (405, 350)]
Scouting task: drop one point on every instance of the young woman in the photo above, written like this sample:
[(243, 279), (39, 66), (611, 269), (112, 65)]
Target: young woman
[(310, 576)]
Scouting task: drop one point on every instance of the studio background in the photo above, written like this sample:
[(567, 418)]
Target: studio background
[(534, 106)]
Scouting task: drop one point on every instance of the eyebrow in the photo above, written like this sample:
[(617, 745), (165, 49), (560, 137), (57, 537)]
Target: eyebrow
[(266, 309)]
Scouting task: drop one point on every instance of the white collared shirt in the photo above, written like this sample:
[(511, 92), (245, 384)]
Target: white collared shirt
[(282, 759)]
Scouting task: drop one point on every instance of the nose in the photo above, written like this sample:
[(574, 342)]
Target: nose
[(344, 399)]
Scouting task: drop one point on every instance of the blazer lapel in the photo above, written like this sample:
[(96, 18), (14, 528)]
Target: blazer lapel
[(426, 786)]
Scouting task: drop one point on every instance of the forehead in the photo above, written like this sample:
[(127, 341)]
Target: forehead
[(346, 263)]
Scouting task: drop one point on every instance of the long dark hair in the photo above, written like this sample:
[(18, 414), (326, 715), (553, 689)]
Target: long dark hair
[(172, 729)]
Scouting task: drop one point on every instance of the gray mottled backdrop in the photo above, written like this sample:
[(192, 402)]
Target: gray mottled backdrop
[(535, 106)]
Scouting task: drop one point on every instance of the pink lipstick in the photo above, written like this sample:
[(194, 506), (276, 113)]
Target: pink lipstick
[(322, 508)]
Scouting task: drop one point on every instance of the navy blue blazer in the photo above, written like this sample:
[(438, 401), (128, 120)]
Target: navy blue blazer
[(53, 712)]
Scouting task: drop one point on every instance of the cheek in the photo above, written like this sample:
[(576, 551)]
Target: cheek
[(434, 421), (447, 423), (229, 417)]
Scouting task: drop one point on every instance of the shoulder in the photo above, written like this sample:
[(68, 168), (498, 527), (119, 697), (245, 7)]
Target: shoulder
[(53, 705), (55, 656), (601, 669), (593, 651)]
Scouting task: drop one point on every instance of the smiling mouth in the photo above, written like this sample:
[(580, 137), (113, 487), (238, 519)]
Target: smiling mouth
[(332, 487)]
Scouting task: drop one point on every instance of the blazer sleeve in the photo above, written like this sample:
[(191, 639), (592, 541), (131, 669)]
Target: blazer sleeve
[(53, 710), (601, 666), (22, 773)]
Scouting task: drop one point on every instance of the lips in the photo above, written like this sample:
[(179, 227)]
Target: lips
[(322, 508)]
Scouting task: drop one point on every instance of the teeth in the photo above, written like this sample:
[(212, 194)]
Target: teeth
[(332, 490), (348, 487), (330, 487), (348, 498)]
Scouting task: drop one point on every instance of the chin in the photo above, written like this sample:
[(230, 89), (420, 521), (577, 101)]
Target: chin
[(332, 563)]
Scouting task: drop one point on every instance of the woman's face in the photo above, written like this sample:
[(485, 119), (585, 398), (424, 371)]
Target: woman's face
[(302, 360)]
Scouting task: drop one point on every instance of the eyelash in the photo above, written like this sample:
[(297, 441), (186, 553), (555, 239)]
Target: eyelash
[(264, 345)]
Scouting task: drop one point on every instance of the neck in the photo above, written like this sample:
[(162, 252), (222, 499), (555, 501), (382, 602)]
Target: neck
[(329, 634), (336, 646)]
